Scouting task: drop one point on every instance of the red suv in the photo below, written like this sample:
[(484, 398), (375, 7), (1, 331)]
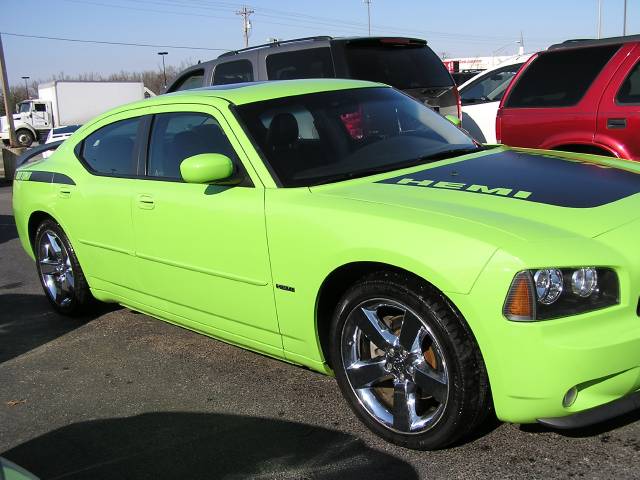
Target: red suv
[(579, 96)]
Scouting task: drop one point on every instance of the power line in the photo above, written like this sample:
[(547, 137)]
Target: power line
[(105, 42)]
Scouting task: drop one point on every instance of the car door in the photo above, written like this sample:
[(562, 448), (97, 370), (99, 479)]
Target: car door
[(481, 99), (203, 248), (97, 205), (40, 116), (618, 120)]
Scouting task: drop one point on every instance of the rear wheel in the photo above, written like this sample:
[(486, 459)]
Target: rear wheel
[(407, 363), (60, 273)]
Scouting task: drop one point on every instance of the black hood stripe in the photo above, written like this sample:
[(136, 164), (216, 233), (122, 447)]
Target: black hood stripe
[(540, 178)]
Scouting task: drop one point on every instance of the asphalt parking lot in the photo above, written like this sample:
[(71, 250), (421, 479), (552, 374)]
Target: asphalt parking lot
[(122, 395)]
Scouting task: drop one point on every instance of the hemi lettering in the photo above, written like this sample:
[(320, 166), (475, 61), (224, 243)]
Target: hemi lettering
[(484, 189), (452, 185), (411, 181)]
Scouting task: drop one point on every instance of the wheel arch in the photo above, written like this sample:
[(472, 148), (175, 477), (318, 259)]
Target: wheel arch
[(340, 279), (35, 219)]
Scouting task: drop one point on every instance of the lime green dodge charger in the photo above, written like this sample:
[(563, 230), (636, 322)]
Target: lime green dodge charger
[(343, 226)]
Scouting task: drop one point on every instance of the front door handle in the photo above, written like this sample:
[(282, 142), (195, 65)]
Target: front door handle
[(616, 123), (146, 202)]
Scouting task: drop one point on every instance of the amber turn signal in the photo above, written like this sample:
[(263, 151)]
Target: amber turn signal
[(520, 304)]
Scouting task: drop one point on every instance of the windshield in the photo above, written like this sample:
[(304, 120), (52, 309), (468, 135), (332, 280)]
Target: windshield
[(404, 66), (332, 136), (25, 107)]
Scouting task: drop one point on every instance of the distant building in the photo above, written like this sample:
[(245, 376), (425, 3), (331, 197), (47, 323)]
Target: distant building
[(473, 63)]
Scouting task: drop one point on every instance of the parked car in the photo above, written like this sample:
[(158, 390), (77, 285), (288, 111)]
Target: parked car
[(435, 277), (64, 103), (59, 133), (480, 97), (579, 96), (405, 63), (464, 75)]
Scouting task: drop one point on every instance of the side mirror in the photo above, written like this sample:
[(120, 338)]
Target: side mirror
[(206, 168), (453, 119)]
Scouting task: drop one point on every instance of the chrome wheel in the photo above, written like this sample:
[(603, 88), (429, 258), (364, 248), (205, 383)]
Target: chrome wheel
[(395, 366), (55, 268)]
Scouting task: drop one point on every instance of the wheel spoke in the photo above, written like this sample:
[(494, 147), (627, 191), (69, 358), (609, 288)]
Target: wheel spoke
[(374, 329), (53, 243), (411, 325), (363, 374), (431, 383), (403, 405), (48, 267)]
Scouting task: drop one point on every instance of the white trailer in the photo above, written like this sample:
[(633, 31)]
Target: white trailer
[(65, 103)]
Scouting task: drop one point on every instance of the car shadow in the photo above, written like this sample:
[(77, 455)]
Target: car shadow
[(28, 321), (8, 229), (172, 445)]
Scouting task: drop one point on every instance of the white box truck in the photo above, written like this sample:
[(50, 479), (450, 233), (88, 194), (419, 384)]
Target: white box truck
[(67, 103)]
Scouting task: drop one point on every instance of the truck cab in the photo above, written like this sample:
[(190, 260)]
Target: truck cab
[(32, 120)]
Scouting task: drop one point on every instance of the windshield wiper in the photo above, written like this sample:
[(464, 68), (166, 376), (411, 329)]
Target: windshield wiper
[(449, 153)]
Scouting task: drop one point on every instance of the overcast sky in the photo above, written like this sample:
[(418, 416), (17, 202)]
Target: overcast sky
[(459, 28)]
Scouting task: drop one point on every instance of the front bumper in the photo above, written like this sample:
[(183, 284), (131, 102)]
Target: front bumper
[(532, 365)]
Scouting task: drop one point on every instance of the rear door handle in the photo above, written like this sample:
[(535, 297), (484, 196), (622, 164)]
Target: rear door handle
[(64, 192), (616, 123), (146, 202)]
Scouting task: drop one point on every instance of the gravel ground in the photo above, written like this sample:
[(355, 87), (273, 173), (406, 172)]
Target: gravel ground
[(122, 395)]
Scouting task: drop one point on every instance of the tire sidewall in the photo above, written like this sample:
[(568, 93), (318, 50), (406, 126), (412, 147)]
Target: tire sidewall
[(28, 134), (439, 434)]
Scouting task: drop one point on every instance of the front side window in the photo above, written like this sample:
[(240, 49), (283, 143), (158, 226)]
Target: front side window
[(559, 78), (179, 135), (111, 149), (40, 107), (309, 63), (333, 136), (194, 80), (233, 72), (489, 88), (630, 89)]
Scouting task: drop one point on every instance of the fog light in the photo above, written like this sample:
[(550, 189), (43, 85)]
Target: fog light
[(570, 397), (584, 281), (549, 285)]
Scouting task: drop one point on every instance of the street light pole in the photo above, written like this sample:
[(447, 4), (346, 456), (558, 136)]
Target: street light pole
[(624, 20), (26, 87), (599, 18), (368, 4), (164, 70)]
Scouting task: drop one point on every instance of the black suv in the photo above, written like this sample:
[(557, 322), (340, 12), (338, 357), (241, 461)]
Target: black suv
[(407, 64)]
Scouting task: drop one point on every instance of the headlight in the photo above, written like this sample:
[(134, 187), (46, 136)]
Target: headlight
[(560, 292)]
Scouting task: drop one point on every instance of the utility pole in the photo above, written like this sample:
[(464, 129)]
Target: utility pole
[(246, 23), (164, 70), (368, 4), (624, 20), (599, 18), (521, 42), (5, 94)]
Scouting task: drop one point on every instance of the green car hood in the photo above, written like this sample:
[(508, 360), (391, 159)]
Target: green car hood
[(524, 193)]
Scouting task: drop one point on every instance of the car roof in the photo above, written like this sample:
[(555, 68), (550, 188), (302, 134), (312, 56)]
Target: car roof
[(583, 43), (242, 93)]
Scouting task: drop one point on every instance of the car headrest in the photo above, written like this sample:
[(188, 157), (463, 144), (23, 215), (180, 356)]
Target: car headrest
[(283, 130)]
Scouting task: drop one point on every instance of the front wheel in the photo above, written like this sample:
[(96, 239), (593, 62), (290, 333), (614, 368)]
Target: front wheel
[(24, 137), (59, 270), (406, 363)]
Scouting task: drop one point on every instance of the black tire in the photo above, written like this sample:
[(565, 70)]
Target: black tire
[(24, 137), (467, 400), (80, 299)]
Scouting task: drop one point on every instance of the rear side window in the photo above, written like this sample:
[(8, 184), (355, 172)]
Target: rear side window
[(110, 150), (559, 78), (401, 65), (233, 72), (309, 63), (630, 89), (176, 136), (40, 107), (189, 82)]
